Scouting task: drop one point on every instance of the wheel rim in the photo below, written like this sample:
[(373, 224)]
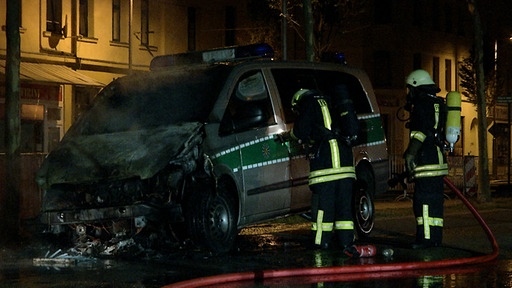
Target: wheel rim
[(219, 219), (365, 213), (364, 210)]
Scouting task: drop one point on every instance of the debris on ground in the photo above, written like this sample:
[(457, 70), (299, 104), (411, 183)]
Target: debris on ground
[(87, 251), (60, 259)]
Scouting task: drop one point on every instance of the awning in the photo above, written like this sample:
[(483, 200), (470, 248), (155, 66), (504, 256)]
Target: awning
[(50, 73)]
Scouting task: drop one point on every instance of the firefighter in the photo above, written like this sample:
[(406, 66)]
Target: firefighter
[(332, 169), (425, 162)]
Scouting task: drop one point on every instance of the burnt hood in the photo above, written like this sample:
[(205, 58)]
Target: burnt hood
[(112, 156), (135, 126)]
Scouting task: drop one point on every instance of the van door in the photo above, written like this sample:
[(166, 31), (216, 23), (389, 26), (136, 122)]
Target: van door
[(288, 81), (264, 163)]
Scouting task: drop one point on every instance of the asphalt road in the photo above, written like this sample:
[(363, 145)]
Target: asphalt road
[(282, 245)]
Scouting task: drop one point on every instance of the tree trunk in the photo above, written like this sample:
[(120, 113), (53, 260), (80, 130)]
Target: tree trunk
[(308, 30), (10, 206), (484, 190)]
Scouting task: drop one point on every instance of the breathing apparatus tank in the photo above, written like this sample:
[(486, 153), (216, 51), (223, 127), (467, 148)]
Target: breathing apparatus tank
[(452, 130), (345, 114)]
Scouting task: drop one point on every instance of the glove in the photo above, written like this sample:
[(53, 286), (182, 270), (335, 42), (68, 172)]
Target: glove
[(409, 164), (410, 156), (283, 137)]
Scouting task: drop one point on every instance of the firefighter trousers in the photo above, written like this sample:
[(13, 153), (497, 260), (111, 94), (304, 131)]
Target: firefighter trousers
[(331, 210), (428, 206)]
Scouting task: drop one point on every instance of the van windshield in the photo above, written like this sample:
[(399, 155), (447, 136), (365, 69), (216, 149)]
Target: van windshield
[(148, 100)]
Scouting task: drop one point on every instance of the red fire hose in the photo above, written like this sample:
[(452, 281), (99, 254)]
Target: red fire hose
[(356, 272)]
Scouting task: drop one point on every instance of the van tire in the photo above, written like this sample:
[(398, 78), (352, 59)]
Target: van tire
[(364, 210), (211, 219)]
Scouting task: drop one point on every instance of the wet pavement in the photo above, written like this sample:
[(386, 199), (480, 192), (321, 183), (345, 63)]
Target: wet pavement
[(281, 246)]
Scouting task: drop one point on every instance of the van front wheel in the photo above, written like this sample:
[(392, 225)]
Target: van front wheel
[(213, 223)]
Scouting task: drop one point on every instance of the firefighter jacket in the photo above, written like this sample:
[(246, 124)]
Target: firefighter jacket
[(329, 160), (426, 124)]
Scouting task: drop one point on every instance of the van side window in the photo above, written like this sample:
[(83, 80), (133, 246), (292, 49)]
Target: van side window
[(249, 106), (289, 81)]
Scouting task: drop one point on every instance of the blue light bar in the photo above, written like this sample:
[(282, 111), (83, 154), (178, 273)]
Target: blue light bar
[(227, 54), (262, 50), (335, 57)]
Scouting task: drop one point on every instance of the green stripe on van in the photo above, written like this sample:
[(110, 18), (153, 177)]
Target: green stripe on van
[(257, 153), (372, 132), (230, 158)]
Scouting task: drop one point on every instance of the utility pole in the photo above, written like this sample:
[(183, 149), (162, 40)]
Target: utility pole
[(10, 205)]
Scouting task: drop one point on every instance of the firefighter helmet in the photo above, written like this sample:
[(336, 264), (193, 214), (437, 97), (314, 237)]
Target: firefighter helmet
[(297, 97), (419, 77)]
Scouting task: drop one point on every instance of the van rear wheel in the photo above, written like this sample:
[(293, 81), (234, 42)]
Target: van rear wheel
[(364, 211)]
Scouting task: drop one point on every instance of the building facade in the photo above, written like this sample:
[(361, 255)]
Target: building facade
[(391, 38), (71, 49), (90, 42)]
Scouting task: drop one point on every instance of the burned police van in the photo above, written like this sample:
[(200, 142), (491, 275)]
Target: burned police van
[(188, 151)]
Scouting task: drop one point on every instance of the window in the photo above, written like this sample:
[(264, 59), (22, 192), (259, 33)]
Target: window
[(144, 23), (82, 100), (417, 13), (448, 23), (289, 81), (461, 19), (382, 69), (54, 16), (53, 137), (416, 61), (249, 106), (85, 25), (31, 129), (458, 149), (21, 14), (436, 17), (116, 20), (120, 20), (435, 70), (230, 26), (191, 27), (383, 12), (448, 74)]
